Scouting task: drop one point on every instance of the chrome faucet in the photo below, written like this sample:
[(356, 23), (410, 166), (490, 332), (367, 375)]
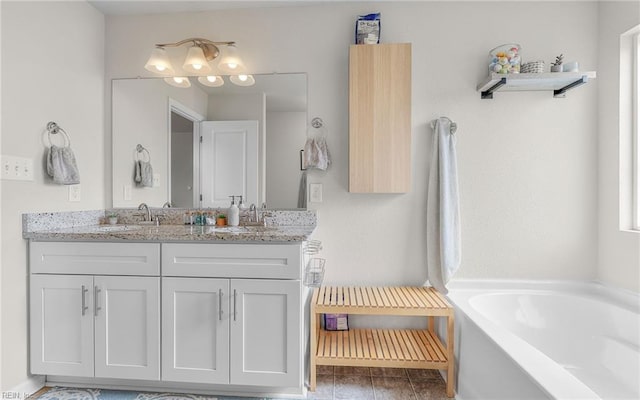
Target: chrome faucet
[(167, 204), (144, 206)]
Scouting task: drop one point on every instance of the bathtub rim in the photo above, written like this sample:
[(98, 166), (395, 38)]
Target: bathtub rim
[(551, 377)]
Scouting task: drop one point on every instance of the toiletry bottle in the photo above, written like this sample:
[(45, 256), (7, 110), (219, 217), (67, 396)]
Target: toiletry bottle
[(233, 218), (241, 205), (188, 218)]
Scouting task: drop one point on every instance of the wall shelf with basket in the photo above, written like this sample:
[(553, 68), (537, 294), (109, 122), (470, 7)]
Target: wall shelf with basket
[(558, 82)]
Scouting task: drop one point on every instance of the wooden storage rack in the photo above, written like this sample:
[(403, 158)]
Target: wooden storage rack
[(396, 348)]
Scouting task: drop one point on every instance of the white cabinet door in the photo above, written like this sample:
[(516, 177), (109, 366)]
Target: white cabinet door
[(61, 323), (127, 327), (195, 330), (266, 332)]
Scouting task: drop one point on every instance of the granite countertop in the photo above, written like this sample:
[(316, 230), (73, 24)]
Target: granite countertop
[(174, 233), (282, 226)]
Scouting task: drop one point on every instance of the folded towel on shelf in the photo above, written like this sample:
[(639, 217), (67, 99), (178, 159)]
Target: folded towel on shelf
[(61, 165), (143, 174), (316, 153)]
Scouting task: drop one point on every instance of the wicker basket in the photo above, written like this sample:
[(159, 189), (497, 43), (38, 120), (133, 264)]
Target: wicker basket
[(533, 67)]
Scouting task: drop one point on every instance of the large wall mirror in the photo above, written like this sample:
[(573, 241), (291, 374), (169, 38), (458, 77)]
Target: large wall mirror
[(205, 143)]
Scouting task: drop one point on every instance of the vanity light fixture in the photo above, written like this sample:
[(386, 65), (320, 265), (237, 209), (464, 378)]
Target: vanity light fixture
[(201, 52), (230, 61), (211, 80), (178, 81), (242, 80)]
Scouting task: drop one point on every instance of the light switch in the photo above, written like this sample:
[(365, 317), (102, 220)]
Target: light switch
[(16, 168), (126, 192), (74, 192), (315, 192)]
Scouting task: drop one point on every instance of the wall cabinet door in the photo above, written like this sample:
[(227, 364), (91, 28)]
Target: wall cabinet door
[(266, 332), (127, 327), (380, 118), (61, 323), (195, 330)]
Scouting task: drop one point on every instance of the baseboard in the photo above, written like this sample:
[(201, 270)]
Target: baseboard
[(176, 387), (26, 388)]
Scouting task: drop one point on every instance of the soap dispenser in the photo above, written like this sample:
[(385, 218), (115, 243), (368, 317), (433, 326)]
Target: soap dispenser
[(241, 204), (233, 219)]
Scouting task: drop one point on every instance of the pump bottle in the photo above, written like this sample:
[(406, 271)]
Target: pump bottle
[(233, 219)]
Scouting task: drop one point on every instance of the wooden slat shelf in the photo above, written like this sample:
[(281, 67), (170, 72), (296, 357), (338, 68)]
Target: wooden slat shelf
[(367, 347), (394, 348), (422, 301)]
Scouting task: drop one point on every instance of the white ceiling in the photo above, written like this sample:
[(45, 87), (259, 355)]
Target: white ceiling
[(135, 7)]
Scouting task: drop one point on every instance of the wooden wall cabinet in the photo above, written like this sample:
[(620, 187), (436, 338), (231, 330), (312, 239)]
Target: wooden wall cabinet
[(380, 118)]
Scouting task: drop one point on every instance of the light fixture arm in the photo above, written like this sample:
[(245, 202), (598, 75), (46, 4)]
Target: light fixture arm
[(209, 48)]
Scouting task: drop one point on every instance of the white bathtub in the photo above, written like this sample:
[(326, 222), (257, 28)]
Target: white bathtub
[(557, 340)]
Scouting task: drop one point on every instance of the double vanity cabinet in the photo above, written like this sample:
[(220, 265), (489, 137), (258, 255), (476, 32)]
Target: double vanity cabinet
[(222, 316)]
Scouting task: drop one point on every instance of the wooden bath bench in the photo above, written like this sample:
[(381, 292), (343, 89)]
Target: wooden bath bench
[(395, 348)]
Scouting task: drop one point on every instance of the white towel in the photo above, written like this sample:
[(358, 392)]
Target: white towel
[(61, 165), (443, 209), (143, 174), (302, 191), (316, 153)]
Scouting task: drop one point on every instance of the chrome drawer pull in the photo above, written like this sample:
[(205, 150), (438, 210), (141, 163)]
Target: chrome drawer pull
[(84, 303), (235, 312), (220, 304), (96, 298)]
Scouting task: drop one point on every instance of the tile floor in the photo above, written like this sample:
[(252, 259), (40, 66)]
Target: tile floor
[(358, 383)]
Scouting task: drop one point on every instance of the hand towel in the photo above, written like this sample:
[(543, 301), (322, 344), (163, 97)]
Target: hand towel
[(316, 153), (143, 174), (302, 191), (61, 165), (443, 209)]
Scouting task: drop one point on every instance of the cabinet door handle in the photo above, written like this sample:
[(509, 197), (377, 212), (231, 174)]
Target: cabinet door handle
[(235, 311), (220, 304), (96, 298), (84, 302)]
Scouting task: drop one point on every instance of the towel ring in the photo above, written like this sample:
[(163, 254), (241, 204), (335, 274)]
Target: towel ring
[(54, 129), (140, 152)]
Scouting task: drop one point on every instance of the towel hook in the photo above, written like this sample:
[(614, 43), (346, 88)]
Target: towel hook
[(317, 122), (453, 127)]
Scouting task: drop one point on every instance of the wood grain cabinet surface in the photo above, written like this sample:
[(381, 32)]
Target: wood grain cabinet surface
[(380, 118)]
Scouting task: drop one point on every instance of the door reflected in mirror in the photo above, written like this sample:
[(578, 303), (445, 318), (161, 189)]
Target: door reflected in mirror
[(208, 143)]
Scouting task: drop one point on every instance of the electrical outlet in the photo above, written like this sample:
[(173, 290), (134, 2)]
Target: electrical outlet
[(315, 192), (156, 180), (74, 192)]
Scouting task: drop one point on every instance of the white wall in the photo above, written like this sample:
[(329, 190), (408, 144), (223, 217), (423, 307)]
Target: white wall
[(619, 251), (527, 162), (52, 70), (141, 115), (286, 134)]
